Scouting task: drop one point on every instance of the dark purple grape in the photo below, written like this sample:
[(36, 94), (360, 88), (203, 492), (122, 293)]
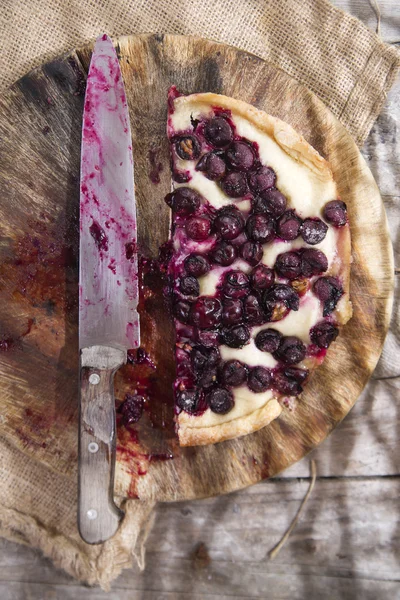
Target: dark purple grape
[(235, 185), (207, 338), (220, 400), (189, 286), (198, 228), (212, 165), (132, 409), (206, 312), (187, 147), (218, 132), (286, 385), (251, 252), (196, 265), (313, 231), (232, 311), (262, 277), (288, 225), (260, 228), (235, 337), (253, 313), (313, 262), (335, 212), (183, 201), (262, 179), (233, 373), (329, 291), (229, 222), (268, 340), (204, 358), (323, 334), (188, 400), (281, 292), (288, 265), (259, 379), (272, 202), (291, 350), (223, 254), (236, 284), (181, 310), (240, 156)]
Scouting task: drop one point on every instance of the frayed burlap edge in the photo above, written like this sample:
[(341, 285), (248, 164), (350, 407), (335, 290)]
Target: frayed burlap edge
[(92, 565)]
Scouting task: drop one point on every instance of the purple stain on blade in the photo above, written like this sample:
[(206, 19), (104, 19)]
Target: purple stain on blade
[(99, 236), (130, 250)]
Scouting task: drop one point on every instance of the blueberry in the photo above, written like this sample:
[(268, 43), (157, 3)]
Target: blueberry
[(288, 225), (232, 311), (223, 254), (235, 185), (218, 132), (132, 409), (335, 212), (187, 147), (262, 277), (235, 337), (251, 252), (204, 358), (259, 379), (285, 384), (313, 231), (188, 400), (268, 340), (272, 202), (181, 310), (281, 292), (313, 262), (184, 201), (323, 334), (288, 265), (329, 291), (212, 165), (233, 373), (262, 179), (240, 156), (299, 375), (253, 313), (189, 286), (196, 265), (291, 350), (260, 228), (220, 400), (236, 284), (207, 338), (206, 312), (198, 228), (229, 223)]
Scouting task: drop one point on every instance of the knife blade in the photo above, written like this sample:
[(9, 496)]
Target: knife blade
[(108, 283)]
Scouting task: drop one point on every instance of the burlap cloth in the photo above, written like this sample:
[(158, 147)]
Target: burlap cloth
[(332, 53)]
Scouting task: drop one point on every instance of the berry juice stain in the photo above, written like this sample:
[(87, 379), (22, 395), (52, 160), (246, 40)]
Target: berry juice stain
[(99, 235), (156, 166)]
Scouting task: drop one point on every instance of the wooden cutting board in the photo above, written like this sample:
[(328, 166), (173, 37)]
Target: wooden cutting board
[(40, 127)]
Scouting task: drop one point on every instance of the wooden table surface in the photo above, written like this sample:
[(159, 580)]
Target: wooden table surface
[(347, 543)]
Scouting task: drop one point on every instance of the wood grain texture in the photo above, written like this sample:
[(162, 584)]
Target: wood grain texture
[(344, 547), (38, 371)]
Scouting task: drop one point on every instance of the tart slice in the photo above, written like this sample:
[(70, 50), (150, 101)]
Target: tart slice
[(260, 265)]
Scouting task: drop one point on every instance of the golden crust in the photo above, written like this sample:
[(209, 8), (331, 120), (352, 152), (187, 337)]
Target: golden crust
[(201, 436), (300, 150), (288, 138)]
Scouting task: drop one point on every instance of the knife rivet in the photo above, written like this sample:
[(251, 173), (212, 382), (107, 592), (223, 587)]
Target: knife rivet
[(93, 447), (94, 379), (91, 514)]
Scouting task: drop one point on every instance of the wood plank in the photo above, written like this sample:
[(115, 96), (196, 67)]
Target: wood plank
[(364, 10), (345, 542)]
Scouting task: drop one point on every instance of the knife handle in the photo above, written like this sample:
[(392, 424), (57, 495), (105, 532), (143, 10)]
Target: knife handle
[(98, 515)]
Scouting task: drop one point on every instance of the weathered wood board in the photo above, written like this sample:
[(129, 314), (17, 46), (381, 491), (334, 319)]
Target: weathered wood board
[(40, 121)]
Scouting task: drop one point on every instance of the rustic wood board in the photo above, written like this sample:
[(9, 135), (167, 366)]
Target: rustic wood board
[(40, 121)]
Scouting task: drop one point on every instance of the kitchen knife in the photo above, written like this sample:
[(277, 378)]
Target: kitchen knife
[(108, 284)]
